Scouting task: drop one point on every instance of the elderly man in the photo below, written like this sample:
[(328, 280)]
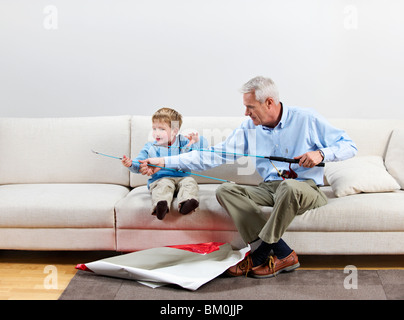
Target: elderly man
[(281, 131)]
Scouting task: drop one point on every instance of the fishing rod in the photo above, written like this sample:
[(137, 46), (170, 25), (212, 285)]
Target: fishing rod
[(170, 169), (272, 158)]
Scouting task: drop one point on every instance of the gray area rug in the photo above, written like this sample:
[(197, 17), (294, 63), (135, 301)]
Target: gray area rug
[(297, 285)]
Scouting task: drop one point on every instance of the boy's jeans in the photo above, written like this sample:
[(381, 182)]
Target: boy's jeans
[(165, 188)]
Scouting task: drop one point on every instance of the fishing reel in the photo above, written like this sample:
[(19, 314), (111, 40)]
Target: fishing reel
[(288, 174)]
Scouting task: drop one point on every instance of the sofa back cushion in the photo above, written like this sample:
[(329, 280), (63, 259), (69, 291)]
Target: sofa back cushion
[(395, 156), (370, 135), (58, 150)]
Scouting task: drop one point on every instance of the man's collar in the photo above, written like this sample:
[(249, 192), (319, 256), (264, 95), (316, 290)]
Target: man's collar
[(282, 122), (285, 111)]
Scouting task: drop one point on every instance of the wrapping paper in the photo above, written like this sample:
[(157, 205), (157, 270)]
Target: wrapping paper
[(188, 266)]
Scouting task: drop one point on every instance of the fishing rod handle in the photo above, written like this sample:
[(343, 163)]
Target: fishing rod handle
[(281, 159)]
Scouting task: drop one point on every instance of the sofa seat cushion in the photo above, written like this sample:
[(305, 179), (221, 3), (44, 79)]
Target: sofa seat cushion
[(59, 205), (359, 212), (134, 212), (363, 212)]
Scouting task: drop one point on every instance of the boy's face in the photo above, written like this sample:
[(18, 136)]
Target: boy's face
[(163, 134)]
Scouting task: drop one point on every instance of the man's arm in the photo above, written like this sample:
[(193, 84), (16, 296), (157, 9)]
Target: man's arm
[(334, 143), (202, 160), (145, 169)]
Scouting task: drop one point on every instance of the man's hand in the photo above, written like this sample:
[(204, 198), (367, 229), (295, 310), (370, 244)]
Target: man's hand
[(310, 159), (145, 169)]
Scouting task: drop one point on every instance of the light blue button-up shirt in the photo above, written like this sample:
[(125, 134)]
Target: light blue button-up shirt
[(300, 130)]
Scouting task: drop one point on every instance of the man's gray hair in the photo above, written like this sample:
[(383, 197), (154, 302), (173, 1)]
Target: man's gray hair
[(263, 87)]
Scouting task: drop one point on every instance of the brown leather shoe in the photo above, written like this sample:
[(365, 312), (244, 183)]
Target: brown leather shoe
[(241, 268), (273, 266)]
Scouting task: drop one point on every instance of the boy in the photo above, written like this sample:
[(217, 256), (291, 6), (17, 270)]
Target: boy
[(164, 184)]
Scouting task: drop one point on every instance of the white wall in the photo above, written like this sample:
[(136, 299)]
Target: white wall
[(113, 57)]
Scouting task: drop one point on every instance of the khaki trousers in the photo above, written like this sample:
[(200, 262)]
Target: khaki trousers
[(288, 199), (166, 188)]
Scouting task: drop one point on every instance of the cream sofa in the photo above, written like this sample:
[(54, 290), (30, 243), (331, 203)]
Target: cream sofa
[(55, 194)]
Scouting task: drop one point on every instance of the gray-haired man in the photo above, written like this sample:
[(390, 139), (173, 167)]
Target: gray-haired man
[(279, 131)]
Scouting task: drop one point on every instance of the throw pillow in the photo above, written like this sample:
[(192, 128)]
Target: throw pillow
[(359, 174), (395, 155)]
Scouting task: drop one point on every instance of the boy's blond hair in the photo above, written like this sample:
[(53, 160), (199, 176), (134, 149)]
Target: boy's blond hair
[(169, 116)]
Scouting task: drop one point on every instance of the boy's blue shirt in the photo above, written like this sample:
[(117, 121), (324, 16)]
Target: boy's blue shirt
[(152, 150)]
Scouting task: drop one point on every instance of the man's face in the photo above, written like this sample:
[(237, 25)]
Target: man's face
[(162, 133), (257, 111)]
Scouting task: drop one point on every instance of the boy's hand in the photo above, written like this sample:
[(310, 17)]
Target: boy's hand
[(148, 170), (127, 162), (193, 138)]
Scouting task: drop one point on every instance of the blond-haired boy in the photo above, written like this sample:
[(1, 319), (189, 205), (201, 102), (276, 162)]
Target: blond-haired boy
[(166, 123)]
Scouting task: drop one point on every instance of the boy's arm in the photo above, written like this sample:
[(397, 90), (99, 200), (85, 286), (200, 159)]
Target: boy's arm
[(135, 164), (127, 162), (195, 142), (193, 138), (200, 143)]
